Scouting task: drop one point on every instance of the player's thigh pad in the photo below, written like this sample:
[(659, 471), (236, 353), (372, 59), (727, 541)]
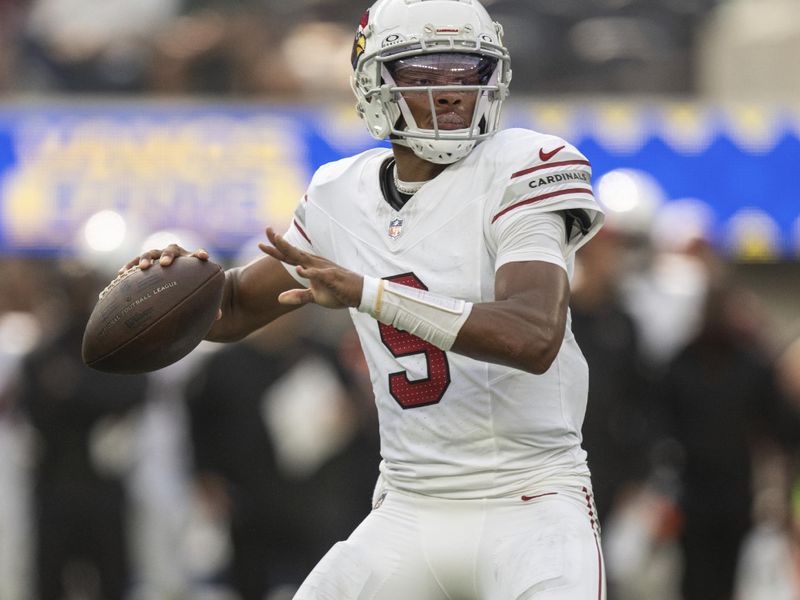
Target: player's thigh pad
[(545, 549)]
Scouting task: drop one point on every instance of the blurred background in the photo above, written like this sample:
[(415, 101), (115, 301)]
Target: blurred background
[(129, 124)]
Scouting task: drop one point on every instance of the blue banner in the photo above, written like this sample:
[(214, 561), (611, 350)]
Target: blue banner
[(226, 171)]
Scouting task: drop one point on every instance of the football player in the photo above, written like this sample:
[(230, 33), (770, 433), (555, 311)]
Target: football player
[(453, 252)]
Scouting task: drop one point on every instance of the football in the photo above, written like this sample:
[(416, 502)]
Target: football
[(146, 320)]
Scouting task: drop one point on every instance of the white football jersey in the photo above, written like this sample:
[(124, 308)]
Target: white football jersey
[(452, 426)]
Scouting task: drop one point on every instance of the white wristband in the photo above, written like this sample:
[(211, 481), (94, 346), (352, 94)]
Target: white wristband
[(434, 318), (369, 295)]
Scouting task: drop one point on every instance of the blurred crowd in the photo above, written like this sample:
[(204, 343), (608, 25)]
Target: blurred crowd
[(227, 475), (276, 47), (693, 421)]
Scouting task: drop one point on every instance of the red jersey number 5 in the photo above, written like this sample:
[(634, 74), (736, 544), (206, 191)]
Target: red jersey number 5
[(419, 392)]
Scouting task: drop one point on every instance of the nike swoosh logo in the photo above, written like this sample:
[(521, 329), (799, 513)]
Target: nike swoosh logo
[(529, 498), (545, 156)]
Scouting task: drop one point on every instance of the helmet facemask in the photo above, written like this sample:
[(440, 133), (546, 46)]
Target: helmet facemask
[(439, 86), (467, 66)]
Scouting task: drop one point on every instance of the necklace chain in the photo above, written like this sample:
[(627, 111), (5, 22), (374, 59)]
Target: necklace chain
[(406, 187)]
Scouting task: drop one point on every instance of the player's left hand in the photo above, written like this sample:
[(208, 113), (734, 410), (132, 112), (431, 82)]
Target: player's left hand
[(330, 285)]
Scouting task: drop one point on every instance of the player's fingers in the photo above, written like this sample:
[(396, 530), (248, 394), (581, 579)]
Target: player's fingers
[(170, 253), (173, 251), (200, 253), (147, 258), (296, 297), (325, 275), (281, 244), (285, 252), (272, 249), (293, 254), (345, 286), (271, 235), (129, 265), (312, 273), (273, 252)]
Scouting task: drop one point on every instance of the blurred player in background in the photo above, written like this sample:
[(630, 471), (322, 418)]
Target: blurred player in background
[(615, 429), (454, 252), (719, 402), (241, 404), (80, 503)]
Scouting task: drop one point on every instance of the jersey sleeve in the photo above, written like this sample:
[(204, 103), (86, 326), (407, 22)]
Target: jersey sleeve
[(297, 235), (541, 174), (539, 237)]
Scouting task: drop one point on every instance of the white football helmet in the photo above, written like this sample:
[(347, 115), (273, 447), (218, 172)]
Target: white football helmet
[(409, 32)]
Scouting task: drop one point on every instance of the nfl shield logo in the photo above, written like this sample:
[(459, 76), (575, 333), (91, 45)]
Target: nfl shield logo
[(395, 228)]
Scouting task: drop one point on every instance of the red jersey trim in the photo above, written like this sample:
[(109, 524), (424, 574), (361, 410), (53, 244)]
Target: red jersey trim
[(542, 197), (595, 530), (562, 163), (303, 233)]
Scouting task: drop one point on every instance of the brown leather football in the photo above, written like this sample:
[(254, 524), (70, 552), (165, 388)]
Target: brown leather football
[(146, 320)]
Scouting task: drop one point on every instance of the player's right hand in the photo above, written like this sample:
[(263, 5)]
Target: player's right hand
[(163, 256), (330, 285)]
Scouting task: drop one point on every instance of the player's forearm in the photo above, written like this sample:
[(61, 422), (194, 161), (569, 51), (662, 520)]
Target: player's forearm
[(524, 326), (241, 312), (513, 334), (523, 331), (230, 326)]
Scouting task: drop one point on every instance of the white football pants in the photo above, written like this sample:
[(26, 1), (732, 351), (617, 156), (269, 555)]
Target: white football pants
[(412, 547)]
